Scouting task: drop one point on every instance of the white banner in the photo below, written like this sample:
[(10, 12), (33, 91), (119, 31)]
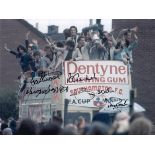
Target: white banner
[(43, 89), (91, 72), (102, 84)]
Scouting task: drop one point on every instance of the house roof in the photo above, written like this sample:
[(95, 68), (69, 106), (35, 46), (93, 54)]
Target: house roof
[(56, 37), (32, 28)]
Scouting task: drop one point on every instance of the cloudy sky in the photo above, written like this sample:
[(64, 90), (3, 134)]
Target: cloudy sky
[(66, 23)]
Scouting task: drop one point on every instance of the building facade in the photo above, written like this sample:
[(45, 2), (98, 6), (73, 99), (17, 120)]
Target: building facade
[(13, 33), (143, 76)]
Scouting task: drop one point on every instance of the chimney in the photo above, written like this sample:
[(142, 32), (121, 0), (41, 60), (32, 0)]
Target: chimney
[(90, 22), (98, 21), (100, 26), (37, 26), (52, 29)]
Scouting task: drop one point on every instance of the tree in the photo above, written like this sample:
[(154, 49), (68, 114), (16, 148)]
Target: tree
[(8, 104)]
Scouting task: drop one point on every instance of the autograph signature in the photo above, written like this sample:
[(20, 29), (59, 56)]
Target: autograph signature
[(40, 91), (44, 78), (76, 78), (93, 94)]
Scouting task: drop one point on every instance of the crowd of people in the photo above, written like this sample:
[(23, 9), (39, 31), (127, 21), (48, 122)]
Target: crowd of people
[(90, 45), (123, 124)]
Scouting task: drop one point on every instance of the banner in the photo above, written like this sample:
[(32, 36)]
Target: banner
[(43, 89), (98, 84), (35, 112)]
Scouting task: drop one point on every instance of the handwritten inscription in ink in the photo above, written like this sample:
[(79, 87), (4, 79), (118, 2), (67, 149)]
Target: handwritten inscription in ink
[(76, 78), (45, 91), (45, 78)]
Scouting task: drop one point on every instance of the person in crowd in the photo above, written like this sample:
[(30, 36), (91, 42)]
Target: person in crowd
[(46, 60), (87, 35), (136, 115), (141, 126), (0, 124), (25, 60), (37, 62), (51, 129), (67, 53), (81, 124), (81, 42), (94, 50), (31, 47), (26, 127), (85, 130), (126, 44), (56, 64), (130, 43), (4, 125), (57, 120), (121, 124), (73, 35), (98, 128), (13, 126), (7, 131), (70, 52), (88, 44), (66, 33), (70, 129), (109, 42)]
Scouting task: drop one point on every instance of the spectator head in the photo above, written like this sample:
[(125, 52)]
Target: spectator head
[(70, 129), (36, 55), (26, 127), (10, 118), (66, 33), (48, 49), (85, 130), (87, 35), (70, 45), (3, 126), (141, 126), (123, 42), (81, 41), (7, 131), (106, 34), (48, 52), (98, 128), (118, 45), (51, 129), (127, 35), (73, 31), (42, 53), (21, 49), (0, 123), (60, 44), (57, 120), (81, 122), (136, 115), (122, 116), (120, 124), (13, 126)]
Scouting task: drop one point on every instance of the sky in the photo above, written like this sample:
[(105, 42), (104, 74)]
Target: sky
[(66, 23)]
